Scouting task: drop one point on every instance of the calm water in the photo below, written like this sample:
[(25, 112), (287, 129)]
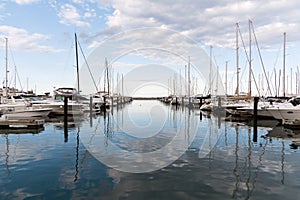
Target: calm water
[(221, 160)]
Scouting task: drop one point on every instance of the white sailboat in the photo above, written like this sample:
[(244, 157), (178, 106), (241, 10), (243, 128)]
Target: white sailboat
[(20, 109)]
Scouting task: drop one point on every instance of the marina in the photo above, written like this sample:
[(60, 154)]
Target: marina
[(149, 100)]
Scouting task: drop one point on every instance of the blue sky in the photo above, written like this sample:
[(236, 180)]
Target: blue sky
[(41, 34)]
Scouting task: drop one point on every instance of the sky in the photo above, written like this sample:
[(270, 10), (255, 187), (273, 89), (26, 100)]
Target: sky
[(40, 37)]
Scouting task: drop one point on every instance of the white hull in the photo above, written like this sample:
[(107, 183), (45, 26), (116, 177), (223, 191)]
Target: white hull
[(285, 114), (58, 108), (28, 113)]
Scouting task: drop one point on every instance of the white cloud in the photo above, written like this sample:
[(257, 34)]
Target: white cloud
[(210, 22), (21, 39), (78, 1), (23, 2), (69, 15)]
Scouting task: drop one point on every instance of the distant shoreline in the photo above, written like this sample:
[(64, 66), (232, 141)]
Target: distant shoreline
[(146, 98)]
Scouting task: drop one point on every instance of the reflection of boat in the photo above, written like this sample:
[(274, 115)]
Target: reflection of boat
[(292, 123), (286, 134), (58, 121), (22, 130)]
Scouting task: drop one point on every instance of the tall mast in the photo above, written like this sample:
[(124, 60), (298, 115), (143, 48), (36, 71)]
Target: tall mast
[(107, 75), (189, 81), (226, 78), (210, 71), (237, 60), (291, 81), (123, 85), (298, 80), (6, 66), (250, 59), (276, 94), (77, 65), (185, 78), (283, 71)]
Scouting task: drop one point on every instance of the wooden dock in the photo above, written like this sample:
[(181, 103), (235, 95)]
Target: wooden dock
[(21, 123)]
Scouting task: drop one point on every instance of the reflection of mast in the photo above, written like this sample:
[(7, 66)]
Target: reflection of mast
[(249, 163), (188, 128), (236, 161), (77, 156), (105, 128), (225, 135), (282, 163), (7, 154)]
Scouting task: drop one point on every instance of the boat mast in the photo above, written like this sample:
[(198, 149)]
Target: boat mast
[(210, 72), (237, 60), (250, 59), (226, 78), (107, 75), (298, 78), (276, 93), (77, 66), (185, 78), (123, 86), (6, 67), (291, 81), (283, 75), (189, 81)]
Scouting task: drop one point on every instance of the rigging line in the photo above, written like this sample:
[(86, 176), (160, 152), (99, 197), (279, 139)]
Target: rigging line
[(249, 61), (255, 82), (85, 60), (13, 59), (275, 67), (19, 80), (244, 45), (261, 59)]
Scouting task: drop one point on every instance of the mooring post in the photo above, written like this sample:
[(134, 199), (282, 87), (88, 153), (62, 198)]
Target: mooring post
[(66, 118), (219, 102), (200, 102), (256, 99), (91, 106), (91, 111)]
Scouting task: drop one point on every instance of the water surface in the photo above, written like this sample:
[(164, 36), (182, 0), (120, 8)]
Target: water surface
[(222, 161)]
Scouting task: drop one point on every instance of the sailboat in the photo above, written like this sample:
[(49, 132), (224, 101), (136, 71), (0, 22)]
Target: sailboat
[(57, 102), (11, 109)]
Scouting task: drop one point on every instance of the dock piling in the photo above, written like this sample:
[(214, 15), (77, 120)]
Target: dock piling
[(66, 118), (256, 99)]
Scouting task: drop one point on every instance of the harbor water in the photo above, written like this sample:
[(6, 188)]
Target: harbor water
[(150, 150)]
